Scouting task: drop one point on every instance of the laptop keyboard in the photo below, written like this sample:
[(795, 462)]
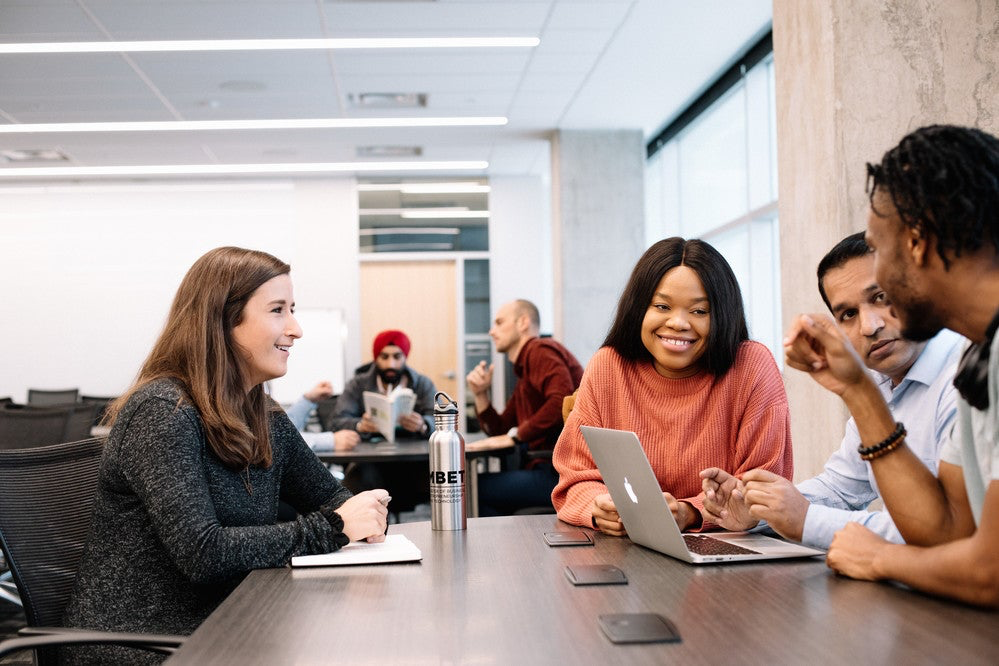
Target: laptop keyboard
[(705, 545)]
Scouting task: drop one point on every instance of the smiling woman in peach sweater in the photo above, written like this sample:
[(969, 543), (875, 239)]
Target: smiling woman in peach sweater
[(678, 369)]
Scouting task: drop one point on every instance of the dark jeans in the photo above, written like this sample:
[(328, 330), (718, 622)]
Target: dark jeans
[(502, 493)]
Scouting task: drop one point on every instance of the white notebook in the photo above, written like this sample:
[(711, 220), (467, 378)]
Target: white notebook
[(395, 548)]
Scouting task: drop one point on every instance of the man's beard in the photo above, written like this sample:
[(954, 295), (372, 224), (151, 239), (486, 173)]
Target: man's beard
[(389, 375), (919, 320), (917, 314)]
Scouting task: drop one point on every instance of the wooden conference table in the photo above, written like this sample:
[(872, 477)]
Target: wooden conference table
[(414, 451), (497, 594)]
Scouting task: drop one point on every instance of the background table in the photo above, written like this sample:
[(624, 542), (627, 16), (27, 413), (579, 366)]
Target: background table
[(410, 451), (497, 594)]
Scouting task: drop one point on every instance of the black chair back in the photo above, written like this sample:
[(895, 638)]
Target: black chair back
[(101, 402), (26, 428), (47, 497), (80, 421), (44, 398)]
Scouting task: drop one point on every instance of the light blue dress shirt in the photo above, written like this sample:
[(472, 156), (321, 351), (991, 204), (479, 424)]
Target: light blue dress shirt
[(925, 401), (298, 414)]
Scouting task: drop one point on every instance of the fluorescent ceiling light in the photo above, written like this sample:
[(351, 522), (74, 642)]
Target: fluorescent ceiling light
[(402, 211), (239, 169), (437, 213), (271, 44), (286, 123), (426, 188), (445, 188), (449, 231)]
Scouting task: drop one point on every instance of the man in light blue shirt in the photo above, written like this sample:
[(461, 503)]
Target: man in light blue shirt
[(325, 441), (915, 380)]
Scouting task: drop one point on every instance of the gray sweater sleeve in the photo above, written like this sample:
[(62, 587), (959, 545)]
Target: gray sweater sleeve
[(184, 488)]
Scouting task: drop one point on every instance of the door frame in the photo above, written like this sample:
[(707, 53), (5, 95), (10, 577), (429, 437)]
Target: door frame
[(459, 259)]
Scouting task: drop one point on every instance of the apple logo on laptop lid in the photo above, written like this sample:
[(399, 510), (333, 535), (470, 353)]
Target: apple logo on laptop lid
[(630, 491)]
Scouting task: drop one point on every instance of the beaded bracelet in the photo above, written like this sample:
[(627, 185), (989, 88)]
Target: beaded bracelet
[(887, 445), (885, 451)]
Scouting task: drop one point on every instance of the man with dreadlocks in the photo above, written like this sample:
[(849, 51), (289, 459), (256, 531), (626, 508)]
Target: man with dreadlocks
[(934, 227)]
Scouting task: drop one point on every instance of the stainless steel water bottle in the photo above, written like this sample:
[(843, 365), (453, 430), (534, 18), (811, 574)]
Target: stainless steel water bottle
[(447, 467)]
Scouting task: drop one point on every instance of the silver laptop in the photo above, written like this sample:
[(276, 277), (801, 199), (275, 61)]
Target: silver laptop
[(645, 514)]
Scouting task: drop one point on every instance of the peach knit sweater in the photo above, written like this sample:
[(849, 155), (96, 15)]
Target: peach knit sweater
[(737, 423)]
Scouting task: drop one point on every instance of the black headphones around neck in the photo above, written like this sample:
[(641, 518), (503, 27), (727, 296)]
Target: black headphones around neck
[(972, 378)]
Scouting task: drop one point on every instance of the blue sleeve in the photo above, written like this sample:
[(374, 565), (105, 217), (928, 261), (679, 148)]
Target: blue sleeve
[(840, 494), (822, 522), (298, 413)]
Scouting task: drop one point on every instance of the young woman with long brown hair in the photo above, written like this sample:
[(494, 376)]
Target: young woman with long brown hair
[(197, 459)]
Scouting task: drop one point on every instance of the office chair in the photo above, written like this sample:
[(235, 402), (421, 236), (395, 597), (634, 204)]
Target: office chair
[(47, 497), (26, 428), (80, 421), (44, 398), (101, 402)]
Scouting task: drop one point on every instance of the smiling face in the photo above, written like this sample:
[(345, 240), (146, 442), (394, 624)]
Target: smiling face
[(864, 313), (267, 331), (676, 324)]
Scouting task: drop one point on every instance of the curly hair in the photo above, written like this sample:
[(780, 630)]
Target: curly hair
[(943, 180)]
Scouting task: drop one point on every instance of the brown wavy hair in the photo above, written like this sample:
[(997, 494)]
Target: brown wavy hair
[(196, 349)]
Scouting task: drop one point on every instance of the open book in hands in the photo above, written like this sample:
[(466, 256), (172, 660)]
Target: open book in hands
[(385, 410)]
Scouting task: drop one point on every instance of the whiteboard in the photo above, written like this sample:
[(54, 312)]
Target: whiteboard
[(317, 355)]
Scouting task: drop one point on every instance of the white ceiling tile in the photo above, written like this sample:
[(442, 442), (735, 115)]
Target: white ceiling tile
[(582, 15), (437, 18), (590, 70), (198, 19), (45, 21), (454, 61)]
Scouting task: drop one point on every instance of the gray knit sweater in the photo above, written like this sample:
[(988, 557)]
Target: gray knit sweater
[(175, 531)]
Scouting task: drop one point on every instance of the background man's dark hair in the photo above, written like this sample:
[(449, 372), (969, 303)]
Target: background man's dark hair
[(728, 317), (851, 247), (944, 180)]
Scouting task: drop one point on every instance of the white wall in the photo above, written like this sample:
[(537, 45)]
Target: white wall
[(520, 262), (90, 270)]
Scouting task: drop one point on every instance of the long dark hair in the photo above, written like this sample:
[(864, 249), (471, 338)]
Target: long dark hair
[(728, 317), (196, 348)]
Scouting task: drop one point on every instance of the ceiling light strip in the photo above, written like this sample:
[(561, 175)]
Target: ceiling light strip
[(426, 188), (270, 44), (415, 231), (401, 211), (238, 169), (442, 214), (287, 123)]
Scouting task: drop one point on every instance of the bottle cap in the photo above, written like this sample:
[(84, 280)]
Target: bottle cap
[(443, 404)]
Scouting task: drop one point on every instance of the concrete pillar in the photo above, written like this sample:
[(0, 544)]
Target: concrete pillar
[(598, 229), (852, 78)]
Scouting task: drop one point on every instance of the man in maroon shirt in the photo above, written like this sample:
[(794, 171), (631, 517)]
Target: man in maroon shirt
[(532, 421)]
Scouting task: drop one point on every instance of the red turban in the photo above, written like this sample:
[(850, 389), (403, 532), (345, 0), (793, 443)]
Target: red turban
[(386, 338)]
